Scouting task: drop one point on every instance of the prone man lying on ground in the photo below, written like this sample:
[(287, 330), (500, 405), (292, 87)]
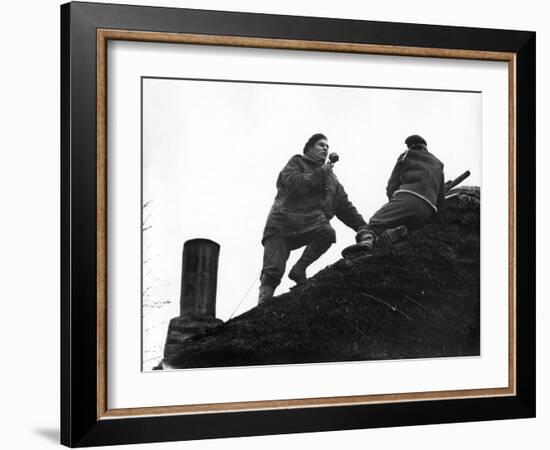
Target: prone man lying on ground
[(415, 190)]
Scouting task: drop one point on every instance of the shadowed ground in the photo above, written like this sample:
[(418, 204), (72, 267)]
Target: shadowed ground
[(419, 299)]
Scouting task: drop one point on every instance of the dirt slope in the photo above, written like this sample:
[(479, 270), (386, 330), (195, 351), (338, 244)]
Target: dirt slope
[(418, 299)]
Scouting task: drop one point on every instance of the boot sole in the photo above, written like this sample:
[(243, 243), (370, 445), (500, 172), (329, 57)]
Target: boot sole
[(391, 236)]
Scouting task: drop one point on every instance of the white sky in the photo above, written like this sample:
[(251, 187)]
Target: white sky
[(212, 152)]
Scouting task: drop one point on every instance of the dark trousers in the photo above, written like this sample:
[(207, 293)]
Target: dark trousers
[(403, 209), (277, 250)]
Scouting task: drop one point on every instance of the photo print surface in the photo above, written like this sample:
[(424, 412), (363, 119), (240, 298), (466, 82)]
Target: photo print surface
[(217, 153)]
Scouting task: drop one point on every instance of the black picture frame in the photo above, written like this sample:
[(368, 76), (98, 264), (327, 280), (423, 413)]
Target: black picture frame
[(82, 422)]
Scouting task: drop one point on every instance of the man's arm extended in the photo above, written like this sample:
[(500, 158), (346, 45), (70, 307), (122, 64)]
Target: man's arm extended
[(346, 212)]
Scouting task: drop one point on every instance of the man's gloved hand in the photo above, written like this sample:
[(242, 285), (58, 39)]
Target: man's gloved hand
[(365, 238), (327, 167), (364, 235)]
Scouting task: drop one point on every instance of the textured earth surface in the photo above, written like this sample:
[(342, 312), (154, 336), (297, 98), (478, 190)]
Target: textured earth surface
[(417, 299)]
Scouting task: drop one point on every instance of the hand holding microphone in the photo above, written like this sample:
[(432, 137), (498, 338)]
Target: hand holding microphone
[(332, 159)]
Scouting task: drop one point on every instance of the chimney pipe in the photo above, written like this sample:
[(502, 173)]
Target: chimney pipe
[(199, 278)]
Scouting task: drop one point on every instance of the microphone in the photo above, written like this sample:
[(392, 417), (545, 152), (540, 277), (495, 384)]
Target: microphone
[(333, 157)]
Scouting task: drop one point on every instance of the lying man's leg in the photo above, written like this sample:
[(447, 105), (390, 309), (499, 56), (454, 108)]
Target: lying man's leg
[(404, 209), (318, 242), (404, 213)]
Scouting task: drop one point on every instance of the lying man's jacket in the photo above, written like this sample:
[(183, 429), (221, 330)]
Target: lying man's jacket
[(420, 173), (307, 198)]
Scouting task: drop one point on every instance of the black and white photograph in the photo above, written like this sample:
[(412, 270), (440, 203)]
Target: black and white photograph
[(271, 225), (296, 223)]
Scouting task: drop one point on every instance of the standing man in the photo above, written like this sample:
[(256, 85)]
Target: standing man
[(308, 197), (415, 191)]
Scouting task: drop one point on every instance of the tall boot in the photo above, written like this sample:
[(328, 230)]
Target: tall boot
[(266, 292)]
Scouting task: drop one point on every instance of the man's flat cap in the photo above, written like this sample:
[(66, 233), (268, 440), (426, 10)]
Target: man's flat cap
[(415, 139)]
